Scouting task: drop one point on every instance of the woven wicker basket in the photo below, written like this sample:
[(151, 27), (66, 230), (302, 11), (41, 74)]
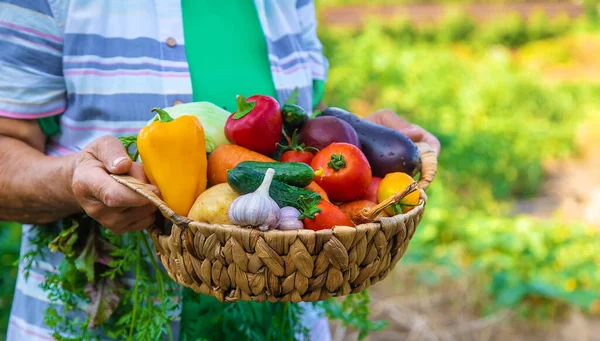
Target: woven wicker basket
[(233, 263)]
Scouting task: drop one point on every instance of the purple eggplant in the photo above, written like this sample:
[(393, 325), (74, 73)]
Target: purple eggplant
[(320, 132), (387, 150)]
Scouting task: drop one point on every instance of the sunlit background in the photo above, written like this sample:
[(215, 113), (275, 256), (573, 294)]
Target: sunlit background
[(509, 248)]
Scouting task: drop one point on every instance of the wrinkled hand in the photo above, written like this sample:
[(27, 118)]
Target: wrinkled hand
[(113, 205), (390, 119)]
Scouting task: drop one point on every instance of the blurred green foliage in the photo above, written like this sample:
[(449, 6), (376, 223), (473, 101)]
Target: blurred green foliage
[(498, 122), (10, 235), (511, 30)]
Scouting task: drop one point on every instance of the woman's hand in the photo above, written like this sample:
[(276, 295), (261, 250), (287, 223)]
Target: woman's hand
[(390, 119)]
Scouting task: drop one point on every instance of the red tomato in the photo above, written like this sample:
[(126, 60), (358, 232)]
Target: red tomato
[(329, 217), (297, 156), (343, 171), (371, 193)]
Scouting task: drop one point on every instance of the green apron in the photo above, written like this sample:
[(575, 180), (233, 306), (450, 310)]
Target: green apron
[(227, 55)]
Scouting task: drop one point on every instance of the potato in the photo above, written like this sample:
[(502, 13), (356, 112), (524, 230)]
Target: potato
[(212, 205)]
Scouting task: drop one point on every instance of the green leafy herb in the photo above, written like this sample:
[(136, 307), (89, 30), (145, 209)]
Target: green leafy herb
[(65, 240), (353, 311)]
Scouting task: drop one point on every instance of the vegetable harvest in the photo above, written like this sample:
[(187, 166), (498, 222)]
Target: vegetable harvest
[(321, 131), (212, 117), (394, 183), (293, 117), (343, 171), (218, 168), (387, 150), (212, 206), (325, 216), (289, 219), (245, 180), (363, 211), (256, 124), (298, 153), (292, 173), (332, 169), (226, 157), (174, 159), (256, 208)]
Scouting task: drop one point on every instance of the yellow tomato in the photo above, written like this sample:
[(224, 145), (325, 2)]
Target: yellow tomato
[(394, 183)]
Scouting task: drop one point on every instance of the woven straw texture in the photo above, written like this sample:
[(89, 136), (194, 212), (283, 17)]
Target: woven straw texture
[(233, 263)]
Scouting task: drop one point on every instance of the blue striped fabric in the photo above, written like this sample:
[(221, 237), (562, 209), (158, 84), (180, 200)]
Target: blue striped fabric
[(103, 68)]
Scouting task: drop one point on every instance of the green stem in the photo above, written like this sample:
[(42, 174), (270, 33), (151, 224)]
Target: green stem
[(283, 317), (159, 280), (135, 291), (85, 330), (244, 107), (309, 206), (337, 162), (163, 116), (295, 138)]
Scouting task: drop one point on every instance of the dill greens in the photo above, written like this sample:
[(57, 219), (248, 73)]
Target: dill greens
[(144, 309), (91, 278)]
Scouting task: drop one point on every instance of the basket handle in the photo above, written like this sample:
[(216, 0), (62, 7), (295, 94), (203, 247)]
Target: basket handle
[(144, 191), (428, 164)]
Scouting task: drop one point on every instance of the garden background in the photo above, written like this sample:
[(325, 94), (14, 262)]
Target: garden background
[(509, 248)]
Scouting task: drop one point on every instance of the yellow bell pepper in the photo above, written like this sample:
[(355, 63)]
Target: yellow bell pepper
[(394, 183), (173, 154)]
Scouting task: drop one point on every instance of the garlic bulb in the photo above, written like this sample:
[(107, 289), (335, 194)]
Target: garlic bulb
[(257, 208), (289, 219)]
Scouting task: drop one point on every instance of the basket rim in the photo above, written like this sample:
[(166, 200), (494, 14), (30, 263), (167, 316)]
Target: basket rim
[(377, 224), (181, 221)]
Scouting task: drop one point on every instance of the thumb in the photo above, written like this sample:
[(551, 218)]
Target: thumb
[(415, 133), (112, 154)]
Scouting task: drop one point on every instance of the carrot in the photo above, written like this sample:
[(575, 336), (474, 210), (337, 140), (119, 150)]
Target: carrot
[(313, 186), (225, 157), (354, 210)]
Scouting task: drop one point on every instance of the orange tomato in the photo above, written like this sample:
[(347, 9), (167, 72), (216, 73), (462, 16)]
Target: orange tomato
[(394, 183)]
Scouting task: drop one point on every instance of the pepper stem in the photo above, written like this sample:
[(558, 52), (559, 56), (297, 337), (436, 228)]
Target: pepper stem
[(372, 213), (244, 107), (337, 162), (163, 116)]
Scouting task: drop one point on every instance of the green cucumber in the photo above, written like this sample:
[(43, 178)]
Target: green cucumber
[(292, 173), (246, 180), (293, 117)]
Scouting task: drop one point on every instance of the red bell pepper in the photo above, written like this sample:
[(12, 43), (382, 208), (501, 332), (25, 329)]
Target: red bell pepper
[(256, 124)]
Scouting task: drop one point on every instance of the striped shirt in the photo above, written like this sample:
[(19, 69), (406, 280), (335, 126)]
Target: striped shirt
[(101, 64)]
